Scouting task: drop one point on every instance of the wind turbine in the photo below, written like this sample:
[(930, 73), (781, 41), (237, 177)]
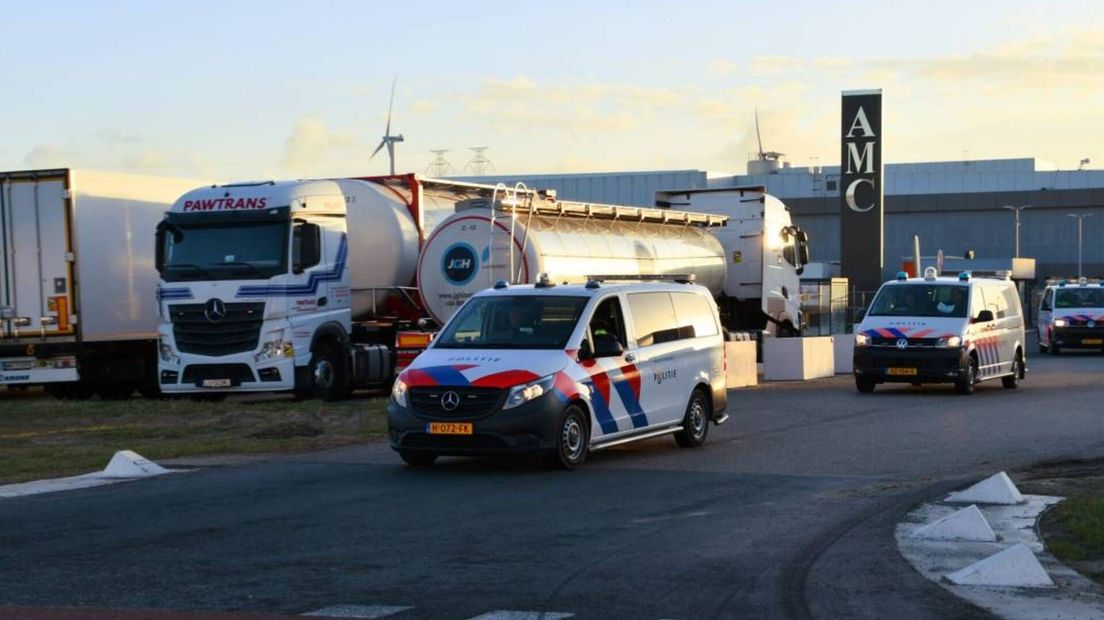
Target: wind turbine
[(764, 155), (388, 139)]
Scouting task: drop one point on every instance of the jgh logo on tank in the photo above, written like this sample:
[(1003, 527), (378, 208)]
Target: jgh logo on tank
[(459, 264)]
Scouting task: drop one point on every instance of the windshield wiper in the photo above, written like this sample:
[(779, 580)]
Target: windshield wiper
[(238, 263), (194, 267)]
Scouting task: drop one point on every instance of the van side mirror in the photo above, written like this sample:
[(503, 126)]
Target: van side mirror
[(860, 314), (607, 346), (985, 316), (585, 352), (306, 247)]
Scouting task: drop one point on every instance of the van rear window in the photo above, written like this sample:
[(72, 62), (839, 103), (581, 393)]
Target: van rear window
[(935, 300)]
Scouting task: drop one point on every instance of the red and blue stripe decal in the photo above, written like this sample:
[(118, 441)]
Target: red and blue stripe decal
[(452, 375)]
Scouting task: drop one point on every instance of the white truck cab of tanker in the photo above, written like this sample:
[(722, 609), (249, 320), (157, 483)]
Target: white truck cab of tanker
[(1071, 315), (564, 369), (765, 254), (297, 285), (959, 330)]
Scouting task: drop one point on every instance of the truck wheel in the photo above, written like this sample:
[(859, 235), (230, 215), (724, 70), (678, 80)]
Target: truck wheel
[(329, 381), (695, 423), (417, 459), (572, 439), (1012, 381), (966, 384), (864, 385)]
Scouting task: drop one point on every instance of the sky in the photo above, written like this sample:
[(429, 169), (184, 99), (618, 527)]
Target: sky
[(238, 90)]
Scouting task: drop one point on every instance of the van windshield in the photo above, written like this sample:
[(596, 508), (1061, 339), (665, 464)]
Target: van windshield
[(513, 322), (936, 300), (1080, 298)]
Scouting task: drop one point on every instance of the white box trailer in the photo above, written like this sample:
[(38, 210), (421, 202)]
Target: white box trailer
[(78, 304)]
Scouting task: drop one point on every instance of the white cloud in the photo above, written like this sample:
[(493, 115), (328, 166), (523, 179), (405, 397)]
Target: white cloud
[(312, 148)]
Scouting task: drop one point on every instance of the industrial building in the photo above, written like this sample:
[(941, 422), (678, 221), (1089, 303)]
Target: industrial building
[(953, 206)]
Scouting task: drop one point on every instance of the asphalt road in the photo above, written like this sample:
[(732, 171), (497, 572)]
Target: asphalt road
[(787, 512)]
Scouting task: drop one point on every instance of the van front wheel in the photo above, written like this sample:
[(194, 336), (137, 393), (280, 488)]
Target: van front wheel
[(965, 385), (695, 423), (572, 439), (864, 385)]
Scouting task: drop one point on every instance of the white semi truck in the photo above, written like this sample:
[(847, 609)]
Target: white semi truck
[(322, 286), (77, 280)]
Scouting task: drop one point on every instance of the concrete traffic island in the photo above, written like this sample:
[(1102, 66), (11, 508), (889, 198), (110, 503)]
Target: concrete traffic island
[(990, 554), (124, 465)]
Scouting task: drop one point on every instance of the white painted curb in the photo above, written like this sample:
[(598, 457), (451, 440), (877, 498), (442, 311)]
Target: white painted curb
[(998, 489), (1015, 566), (967, 524)]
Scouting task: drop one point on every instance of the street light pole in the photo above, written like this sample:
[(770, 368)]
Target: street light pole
[(1080, 218), (1017, 211)]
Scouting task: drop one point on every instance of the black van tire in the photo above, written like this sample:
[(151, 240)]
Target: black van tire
[(864, 385), (695, 422), (1012, 381), (966, 384), (572, 439)]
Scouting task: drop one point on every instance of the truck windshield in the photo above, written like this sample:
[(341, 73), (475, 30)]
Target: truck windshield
[(936, 300), (513, 322), (1080, 298), (224, 252)]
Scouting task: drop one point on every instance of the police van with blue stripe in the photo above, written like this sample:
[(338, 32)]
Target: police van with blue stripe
[(564, 370), (961, 330)]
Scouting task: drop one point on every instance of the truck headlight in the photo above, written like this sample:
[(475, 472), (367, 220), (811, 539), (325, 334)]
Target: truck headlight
[(862, 340), (274, 348), (949, 342), (1060, 322), (167, 354), (521, 394), (398, 393)]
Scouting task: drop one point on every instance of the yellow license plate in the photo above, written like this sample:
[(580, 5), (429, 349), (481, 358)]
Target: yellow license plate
[(1093, 341), (449, 428), (902, 372)]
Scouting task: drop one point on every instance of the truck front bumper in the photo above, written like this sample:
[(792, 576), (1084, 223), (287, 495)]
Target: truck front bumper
[(227, 374)]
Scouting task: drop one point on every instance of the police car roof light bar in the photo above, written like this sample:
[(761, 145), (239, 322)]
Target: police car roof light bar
[(964, 276), (681, 278)]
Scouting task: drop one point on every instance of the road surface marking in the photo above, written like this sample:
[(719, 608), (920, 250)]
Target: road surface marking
[(358, 611)]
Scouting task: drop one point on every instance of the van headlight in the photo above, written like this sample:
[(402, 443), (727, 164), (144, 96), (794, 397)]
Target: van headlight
[(521, 394), (949, 342), (1060, 322), (862, 340), (398, 393), (275, 347)]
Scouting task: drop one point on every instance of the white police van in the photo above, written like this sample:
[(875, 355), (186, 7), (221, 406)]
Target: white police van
[(941, 330), (1071, 315), (564, 370)]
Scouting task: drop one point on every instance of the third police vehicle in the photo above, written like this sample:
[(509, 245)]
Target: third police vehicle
[(941, 330), (1071, 315)]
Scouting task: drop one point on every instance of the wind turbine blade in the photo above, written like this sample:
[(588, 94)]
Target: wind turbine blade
[(757, 135), (391, 105), (378, 149)]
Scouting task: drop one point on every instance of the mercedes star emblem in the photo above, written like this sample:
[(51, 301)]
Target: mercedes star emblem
[(215, 310), (902, 343), (1092, 323), (450, 400)]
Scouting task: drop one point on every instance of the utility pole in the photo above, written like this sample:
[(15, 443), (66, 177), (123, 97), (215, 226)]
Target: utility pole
[(1080, 218), (1017, 211)]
